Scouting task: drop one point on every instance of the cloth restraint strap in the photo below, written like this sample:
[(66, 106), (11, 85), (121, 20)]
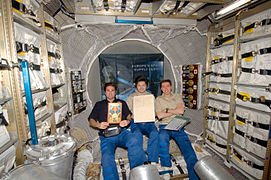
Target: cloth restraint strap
[(217, 118), (56, 70), (177, 165), (241, 119), (221, 145), (260, 100), (220, 40), (19, 6), (218, 91), (217, 74), (218, 110), (21, 47), (261, 23), (250, 163), (261, 71), (215, 61), (239, 132), (260, 125), (258, 141)]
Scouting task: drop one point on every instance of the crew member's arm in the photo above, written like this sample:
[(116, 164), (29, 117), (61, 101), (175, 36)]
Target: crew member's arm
[(167, 112), (126, 122), (179, 110), (94, 116), (98, 125), (127, 113)]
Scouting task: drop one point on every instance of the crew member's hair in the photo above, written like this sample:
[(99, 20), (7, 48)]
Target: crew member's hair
[(110, 84), (165, 80), (141, 78)]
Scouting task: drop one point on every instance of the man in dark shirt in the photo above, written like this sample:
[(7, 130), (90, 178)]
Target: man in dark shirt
[(125, 139)]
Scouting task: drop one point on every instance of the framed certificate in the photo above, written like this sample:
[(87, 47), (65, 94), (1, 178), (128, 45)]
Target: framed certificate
[(114, 113), (143, 108)]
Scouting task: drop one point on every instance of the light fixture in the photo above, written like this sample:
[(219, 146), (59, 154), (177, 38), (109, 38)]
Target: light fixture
[(232, 6)]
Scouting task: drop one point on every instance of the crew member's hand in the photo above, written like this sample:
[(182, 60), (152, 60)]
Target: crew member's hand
[(103, 125), (124, 123)]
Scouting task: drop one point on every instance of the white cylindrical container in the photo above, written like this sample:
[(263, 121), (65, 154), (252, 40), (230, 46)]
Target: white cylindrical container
[(144, 172), (207, 168), (54, 153), (30, 172)]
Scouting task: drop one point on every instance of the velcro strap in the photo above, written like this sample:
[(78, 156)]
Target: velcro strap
[(207, 73), (237, 154), (123, 5), (225, 75), (260, 125), (60, 124), (228, 58), (48, 25), (56, 70), (239, 132), (241, 119), (265, 50), (35, 67), (265, 72), (220, 40), (210, 139), (248, 70), (21, 47), (106, 5), (19, 6), (243, 98), (258, 141), (218, 118), (3, 120), (55, 55), (253, 70), (212, 117), (249, 54), (218, 110), (248, 27), (224, 92), (266, 22), (256, 166), (221, 145)]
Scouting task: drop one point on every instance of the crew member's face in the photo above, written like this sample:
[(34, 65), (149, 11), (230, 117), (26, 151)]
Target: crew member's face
[(110, 92), (166, 88), (141, 86)]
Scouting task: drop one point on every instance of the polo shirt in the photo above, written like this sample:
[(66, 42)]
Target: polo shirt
[(99, 111), (162, 102)]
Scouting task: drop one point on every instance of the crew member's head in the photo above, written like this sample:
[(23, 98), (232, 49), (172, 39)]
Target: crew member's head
[(110, 91), (141, 84), (166, 86)]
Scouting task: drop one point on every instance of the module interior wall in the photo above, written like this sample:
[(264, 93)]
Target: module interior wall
[(180, 48)]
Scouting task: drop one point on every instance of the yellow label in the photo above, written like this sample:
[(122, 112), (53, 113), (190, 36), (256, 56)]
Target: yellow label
[(211, 138), (212, 112), (249, 59), (229, 41), (17, 11), (240, 122), (238, 158), (22, 53), (19, 1), (247, 96), (249, 30), (215, 58), (214, 90), (49, 58)]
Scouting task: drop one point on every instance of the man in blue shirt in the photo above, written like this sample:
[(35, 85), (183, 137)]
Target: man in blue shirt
[(122, 137)]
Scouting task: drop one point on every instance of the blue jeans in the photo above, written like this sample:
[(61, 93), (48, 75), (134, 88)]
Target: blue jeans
[(125, 139), (184, 144), (151, 131)]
